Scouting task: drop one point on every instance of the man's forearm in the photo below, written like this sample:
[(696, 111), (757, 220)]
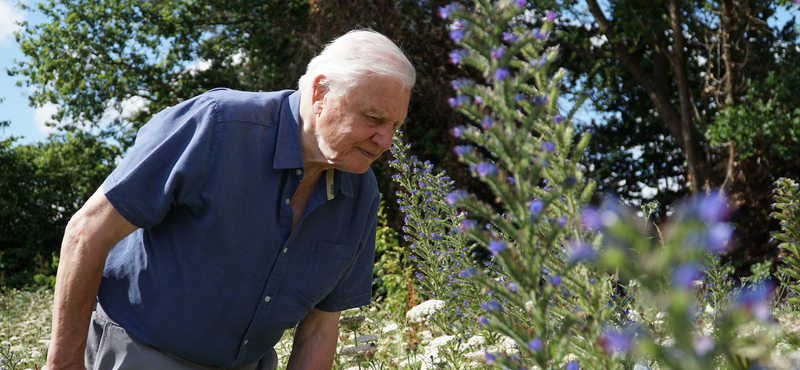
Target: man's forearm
[(315, 341), (89, 236)]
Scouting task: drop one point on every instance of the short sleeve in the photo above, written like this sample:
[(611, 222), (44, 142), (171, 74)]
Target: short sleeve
[(355, 288), (167, 164)]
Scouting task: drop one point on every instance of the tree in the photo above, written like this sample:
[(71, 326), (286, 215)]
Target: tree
[(41, 186)]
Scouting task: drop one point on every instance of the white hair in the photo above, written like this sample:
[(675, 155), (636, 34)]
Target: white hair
[(358, 53)]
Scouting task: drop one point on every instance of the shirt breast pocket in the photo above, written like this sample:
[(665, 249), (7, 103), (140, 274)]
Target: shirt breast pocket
[(324, 268)]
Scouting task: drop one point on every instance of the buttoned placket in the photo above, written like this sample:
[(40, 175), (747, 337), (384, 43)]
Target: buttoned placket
[(275, 279)]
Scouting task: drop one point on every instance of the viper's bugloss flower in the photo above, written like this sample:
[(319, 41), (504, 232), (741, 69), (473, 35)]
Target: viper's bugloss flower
[(492, 306), (478, 100), (558, 119), (548, 146), (539, 100), (684, 276), (590, 93), (484, 169), (452, 102), (501, 74), (555, 280), (550, 15), (467, 224), (498, 53), (510, 37), (536, 207), (578, 251), (718, 237), (755, 299), (468, 272), (456, 55), (561, 221), (444, 11), (496, 247), (539, 62), (458, 83), (456, 35), (486, 123), (535, 344), (455, 196), (457, 131), (572, 366), (616, 341), (462, 150), (490, 358), (520, 3), (539, 34), (483, 320)]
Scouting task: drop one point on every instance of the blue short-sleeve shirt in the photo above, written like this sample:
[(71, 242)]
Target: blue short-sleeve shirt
[(215, 275)]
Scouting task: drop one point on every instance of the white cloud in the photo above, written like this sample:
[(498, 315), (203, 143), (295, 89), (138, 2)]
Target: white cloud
[(9, 16), (42, 115)]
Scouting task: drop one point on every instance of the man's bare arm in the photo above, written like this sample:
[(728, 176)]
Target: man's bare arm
[(315, 341), (90, 234)]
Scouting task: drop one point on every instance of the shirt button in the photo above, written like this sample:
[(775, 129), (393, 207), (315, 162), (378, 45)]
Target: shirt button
[(267, 299), (299, 172), (287, 201), (285, 250)]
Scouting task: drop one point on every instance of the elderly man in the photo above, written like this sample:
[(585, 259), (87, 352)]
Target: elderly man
[(235, 216)]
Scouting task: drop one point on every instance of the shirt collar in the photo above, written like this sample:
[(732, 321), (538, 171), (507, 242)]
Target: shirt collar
[(288, 152)]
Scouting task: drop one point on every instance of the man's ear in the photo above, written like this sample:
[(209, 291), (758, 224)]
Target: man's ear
[(318, 93)]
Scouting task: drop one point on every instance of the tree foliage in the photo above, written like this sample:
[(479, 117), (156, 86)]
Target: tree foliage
[(41, 186)]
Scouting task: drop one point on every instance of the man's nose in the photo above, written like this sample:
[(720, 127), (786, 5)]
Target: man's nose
[(383, 137)]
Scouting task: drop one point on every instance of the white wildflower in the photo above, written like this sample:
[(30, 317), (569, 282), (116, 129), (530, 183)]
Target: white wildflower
[(432, 349), (424, 310), (389, 328), (366, 338), (476, 341)]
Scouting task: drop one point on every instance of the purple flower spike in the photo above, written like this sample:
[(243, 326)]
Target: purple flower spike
[(718, 237), (551, 16), (496, 247), (467, 273), (536, 207), (456, 34), (614, 341), (501, 74), (755, 299), (548, 146), (685, 275), (579, 252), (456, 55), (486, 123), (535, 344), (455, 196), (520, 3), (462, 150), (498, 53), (572, 366), (485, 169)]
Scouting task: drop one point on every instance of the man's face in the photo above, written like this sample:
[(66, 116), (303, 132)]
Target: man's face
[(354, 129)]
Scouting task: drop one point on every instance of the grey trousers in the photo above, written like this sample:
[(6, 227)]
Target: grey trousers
[(109, 347)]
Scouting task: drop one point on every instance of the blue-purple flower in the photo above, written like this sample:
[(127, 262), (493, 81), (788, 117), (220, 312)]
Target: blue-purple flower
[(456, 34), (456, 55), (572, 366), (616, 341), (462, 150), (755, 299), (501, 74), (550, 15), (685, 275), (498, 53), (510, 37), (478, 100), (520, 3), (718, 237), (467, 224), (578, 251), (490, 358), (457, 131), (558, 119), (484, 169), (468, 272), (496, 247), (455, 196), (535, 344), (483, 320), (548, 146), (486, 123), (458, 83), (555, 280), (491, 306), (536, 207), (444, 11)]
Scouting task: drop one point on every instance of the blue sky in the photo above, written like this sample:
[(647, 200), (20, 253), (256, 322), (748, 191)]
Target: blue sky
[(29, 122)]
